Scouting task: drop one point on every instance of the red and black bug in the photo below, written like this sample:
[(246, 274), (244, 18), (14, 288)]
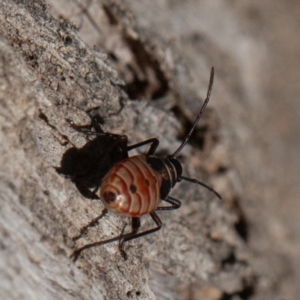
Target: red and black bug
[(135, 185)]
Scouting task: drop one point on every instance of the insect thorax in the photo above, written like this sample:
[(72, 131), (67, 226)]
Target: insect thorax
[(169, 169)]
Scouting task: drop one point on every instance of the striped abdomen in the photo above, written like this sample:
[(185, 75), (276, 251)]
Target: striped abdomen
[(131, 188)]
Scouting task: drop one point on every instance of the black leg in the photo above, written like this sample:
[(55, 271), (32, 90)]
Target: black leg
[(125, 237), (134, 235), (154, 144), (156, 219), (202, 184), (175, 204), (135, 225)]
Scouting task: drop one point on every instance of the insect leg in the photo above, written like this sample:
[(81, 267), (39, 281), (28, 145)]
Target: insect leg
[(135, 225), (125, 237), (135, 235), (157, 221), (175, 204), (154, 144)]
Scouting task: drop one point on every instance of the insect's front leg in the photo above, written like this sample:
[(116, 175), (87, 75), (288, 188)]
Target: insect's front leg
[(154, 144)]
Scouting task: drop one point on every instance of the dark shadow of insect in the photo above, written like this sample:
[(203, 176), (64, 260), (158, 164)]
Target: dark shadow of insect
[(87, 166), (134, 186)]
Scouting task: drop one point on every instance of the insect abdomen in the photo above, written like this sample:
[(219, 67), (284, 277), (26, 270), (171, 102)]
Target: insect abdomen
[(131, 188)]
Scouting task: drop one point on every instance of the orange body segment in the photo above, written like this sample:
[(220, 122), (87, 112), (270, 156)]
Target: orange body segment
[(131, 188)]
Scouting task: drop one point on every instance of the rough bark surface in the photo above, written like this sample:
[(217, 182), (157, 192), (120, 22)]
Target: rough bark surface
[(143, 67)]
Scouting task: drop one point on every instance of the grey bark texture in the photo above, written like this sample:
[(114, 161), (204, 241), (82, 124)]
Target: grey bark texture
[(143, 68)]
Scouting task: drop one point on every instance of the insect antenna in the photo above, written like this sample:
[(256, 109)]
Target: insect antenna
[(211, 81), (202, 184), (175, 154)]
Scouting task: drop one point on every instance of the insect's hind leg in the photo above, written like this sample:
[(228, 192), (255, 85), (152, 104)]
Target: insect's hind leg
[(122, 238), (134, 235), (135, 226)]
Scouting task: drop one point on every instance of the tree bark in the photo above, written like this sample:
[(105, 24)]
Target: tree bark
[(142, 68)]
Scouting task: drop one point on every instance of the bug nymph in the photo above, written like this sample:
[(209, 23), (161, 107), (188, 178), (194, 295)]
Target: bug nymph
[(136, 185)]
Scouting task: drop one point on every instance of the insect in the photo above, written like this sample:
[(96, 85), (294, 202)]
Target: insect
[(136, 185)]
